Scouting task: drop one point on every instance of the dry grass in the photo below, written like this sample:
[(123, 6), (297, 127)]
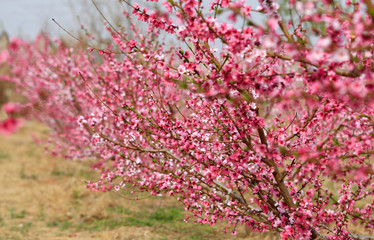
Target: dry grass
[(45, 198)]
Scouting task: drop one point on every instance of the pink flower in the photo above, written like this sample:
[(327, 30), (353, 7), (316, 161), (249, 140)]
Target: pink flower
[(362, 173), (270, 42), (167, 6), (323, 42), (247, 11), (10, 108), (272, 23), (340, 55), (316, 55), (9, 125), (4, 56), (288, 232), (182, 69)]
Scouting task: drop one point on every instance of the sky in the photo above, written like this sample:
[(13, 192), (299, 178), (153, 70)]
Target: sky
[(26, 18)]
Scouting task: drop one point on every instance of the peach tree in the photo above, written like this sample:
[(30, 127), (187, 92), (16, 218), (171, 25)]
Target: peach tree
[(265, 123)]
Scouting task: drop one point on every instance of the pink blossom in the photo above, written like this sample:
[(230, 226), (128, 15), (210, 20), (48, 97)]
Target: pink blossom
[(288, 232), (9, 125), (363, 172), (182, 69), (247, 124), (323, 42), (247, 11), (10, 108), (340, 55), (4, 56), (316, 55), (272, 23)]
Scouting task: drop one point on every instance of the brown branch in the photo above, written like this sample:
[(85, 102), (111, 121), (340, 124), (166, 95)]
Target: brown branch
[(370, 8), (285, 31), (304, 126), (354, 73)]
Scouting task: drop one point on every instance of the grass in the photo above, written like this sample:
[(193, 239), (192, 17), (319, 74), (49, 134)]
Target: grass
[(167, 215), (44, 198), (19, 215), (4, 155), (61, 173), (23, 175), (2, 223), (163, 220), (119, 209), (22, 228), (41, 215)]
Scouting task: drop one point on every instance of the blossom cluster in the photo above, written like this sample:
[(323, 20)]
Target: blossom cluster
[(273, 130)]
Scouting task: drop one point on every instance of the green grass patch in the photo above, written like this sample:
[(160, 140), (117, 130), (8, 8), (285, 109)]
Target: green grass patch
[(119, 210), (41, 214), (167, 215), (87, 174), (2, 223), (52, 224), (76, 196), (134, 221), (23, 228), (165, 221), (195, 237), (19, 215), (23, 175), (101, 224), (61, 173), (4, 155), (62, 224)]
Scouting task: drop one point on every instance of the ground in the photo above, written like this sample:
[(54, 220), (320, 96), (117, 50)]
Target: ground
[(44, 197)]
